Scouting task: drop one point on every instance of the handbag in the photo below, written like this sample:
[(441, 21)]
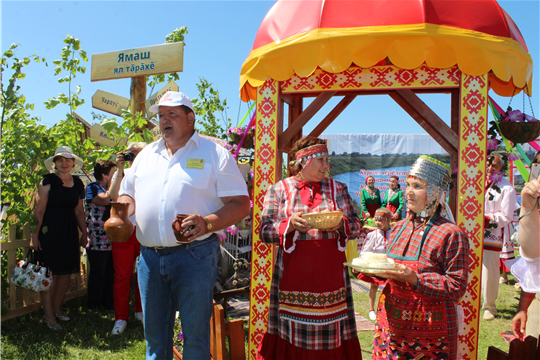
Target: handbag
[(31, 274)]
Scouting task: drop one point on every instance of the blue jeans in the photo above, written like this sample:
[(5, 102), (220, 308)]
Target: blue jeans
[(182, 280)]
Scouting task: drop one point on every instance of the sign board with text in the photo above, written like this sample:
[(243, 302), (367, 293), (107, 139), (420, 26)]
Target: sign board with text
[(150, 60), (156, 133), (154, 99), (98, 133), (109, 102)]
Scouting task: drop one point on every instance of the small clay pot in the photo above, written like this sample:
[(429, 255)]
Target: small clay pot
[(118, 227), (179, 230)]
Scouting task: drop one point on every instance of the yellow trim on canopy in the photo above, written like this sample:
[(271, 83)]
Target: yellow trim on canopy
[(407, 47)]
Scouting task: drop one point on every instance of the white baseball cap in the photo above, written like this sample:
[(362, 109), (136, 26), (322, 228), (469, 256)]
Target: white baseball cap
[(172, 98)]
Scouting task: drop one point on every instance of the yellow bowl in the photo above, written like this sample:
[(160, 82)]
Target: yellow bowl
[(324, 220)]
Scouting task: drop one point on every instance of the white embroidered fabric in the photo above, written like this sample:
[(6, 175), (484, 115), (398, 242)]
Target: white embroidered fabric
[(527, 271)]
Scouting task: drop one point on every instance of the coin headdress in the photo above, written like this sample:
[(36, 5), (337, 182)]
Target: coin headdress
[(436, 176)]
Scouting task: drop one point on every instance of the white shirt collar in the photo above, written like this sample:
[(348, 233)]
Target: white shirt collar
[(195, 138)]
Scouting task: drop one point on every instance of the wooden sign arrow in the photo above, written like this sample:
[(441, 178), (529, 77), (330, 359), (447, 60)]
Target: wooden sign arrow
[(108, 102), (98, 133), (154, 99)]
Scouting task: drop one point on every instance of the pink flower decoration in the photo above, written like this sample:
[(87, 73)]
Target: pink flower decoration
[(222, 237), (233, 230), (455, 171), (515, 115), (492, 144), (512, 157), (529, 118)]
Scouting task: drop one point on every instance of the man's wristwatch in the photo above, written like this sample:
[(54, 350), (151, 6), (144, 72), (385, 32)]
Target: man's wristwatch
[(209, 225)]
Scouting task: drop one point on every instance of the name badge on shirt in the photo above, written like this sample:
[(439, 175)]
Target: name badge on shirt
[(195, 163)]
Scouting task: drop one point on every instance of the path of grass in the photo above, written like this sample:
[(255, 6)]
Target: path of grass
[(88, 335)]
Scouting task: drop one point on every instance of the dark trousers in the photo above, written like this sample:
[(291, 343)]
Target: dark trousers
[(101, 280)]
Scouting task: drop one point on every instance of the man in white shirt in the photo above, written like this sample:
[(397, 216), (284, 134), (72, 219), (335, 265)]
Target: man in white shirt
[(181, 173), (499, 206)]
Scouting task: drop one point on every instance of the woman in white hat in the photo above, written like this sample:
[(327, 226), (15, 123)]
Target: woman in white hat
[(59, 211)]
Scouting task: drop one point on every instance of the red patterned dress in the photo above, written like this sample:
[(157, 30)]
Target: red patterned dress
[(421, 322), (311, 313)]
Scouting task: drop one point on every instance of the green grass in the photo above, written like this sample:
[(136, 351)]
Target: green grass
[(88, 335), (490, 331)]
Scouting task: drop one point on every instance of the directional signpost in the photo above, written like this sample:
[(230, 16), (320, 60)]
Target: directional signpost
[(150, 60), (109, 102), (154, 99), (135, 64), (98, 133)]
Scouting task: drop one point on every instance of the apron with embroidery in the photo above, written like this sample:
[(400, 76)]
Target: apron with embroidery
[(312, 288), (410, 325), (391, 207)]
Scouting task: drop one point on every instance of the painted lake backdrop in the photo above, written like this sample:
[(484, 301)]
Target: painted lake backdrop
[(353, 157)]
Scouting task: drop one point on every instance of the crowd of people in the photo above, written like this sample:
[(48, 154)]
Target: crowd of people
[(311, 313)]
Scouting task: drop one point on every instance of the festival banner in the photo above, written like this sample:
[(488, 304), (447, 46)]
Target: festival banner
[(354, 157)]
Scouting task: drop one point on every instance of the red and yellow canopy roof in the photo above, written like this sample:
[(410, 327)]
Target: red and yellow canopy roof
[(297, 36)]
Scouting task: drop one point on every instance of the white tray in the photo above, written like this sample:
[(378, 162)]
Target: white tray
[(370, 270)]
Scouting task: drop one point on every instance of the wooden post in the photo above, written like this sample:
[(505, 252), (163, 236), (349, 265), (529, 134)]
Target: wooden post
[(220, 329), (138, 97), (294, 131), (28, 296), (217, 334), (454, 156)]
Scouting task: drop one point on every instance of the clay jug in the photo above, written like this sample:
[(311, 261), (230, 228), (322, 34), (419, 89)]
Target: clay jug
[(118, 227), (179, 230)]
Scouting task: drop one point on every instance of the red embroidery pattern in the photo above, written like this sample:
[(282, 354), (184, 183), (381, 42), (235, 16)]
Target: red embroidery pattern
[(265, 175), (472, 145), (376, 77), (471, 176)]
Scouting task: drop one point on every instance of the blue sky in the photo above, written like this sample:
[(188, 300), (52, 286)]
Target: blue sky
[(221, 35)]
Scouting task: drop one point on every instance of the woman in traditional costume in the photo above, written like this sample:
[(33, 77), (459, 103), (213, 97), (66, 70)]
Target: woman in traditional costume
[(311, 313), (418, 312), (370, 198), (393, 198)]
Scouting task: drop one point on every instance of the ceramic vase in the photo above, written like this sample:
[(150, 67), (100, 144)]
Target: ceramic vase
[(118, 227)]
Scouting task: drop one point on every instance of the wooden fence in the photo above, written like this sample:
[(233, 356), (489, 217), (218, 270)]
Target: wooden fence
[(21, 301)]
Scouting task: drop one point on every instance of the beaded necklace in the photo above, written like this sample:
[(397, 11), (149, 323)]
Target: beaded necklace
[(422, 222), (391, 193), (371, 191)]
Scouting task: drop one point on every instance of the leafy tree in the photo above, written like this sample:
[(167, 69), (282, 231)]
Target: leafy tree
[(176, 36), (24, 143), (69, 131), (206, 106)]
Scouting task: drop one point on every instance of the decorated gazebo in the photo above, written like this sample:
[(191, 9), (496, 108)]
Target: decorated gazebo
[(324, 48)]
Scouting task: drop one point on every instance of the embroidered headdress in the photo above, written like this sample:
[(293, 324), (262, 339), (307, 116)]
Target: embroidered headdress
[(382, 214), (309, 153), (436, 175)]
